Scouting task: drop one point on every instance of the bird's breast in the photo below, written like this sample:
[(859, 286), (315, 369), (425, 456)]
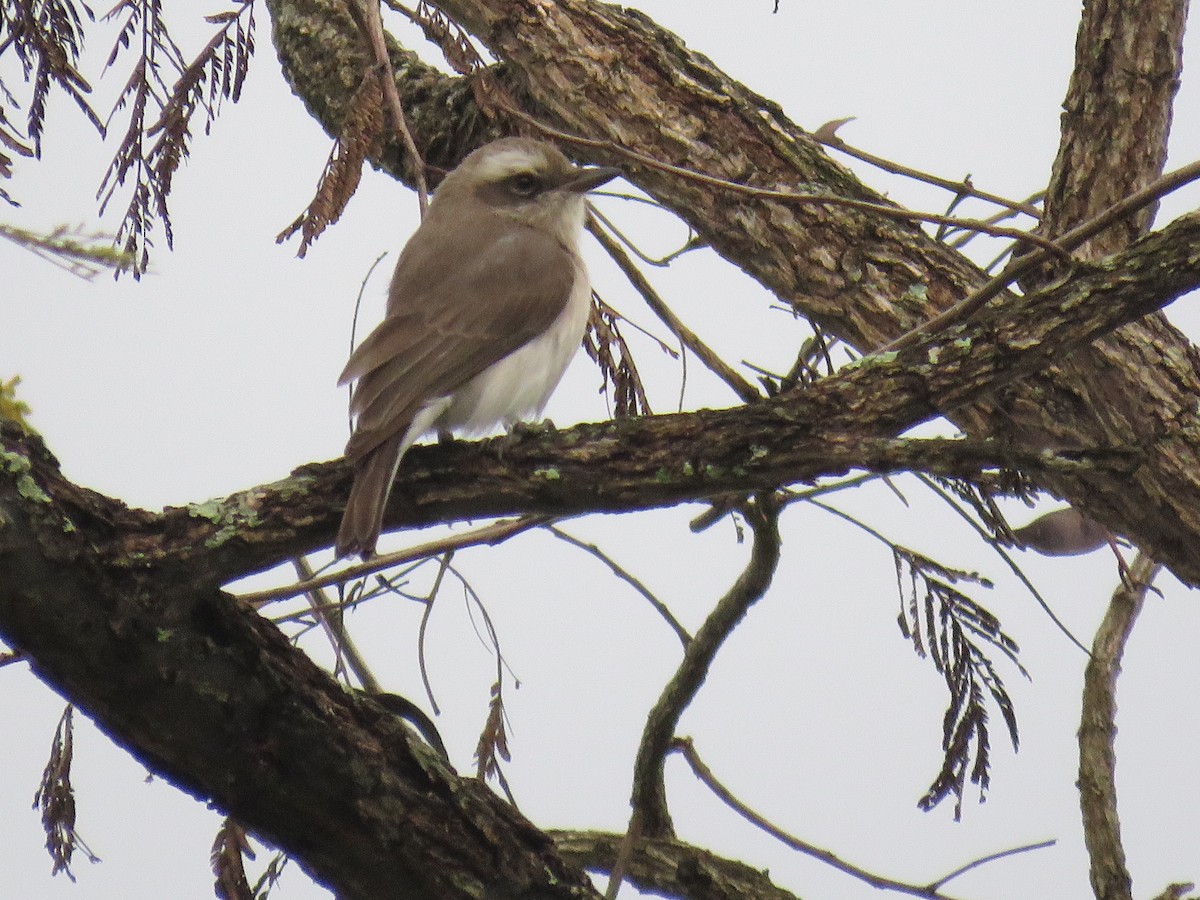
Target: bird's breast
[(517, 387)]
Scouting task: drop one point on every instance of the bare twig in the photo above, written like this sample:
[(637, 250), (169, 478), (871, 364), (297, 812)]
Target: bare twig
[(1065, 243), (827, 135), (1097, 734), (628, 578), (489, 534), (649, 799), (992, 857), (685, 748), (716, 365), (366, 15), (692, 243), (329, 614), (961, 241), (423, 629), (790, 197)]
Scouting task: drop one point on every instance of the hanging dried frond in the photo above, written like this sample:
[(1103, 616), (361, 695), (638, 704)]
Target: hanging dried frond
[(493, 740), (47, 37), (228, 849), (9, 140), (607, 348), (56, 799), (151, 151), (361, 138), (949, 628)]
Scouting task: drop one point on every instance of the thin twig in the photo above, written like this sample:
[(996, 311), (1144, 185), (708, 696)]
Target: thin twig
[(366, 15), (790, 197), (489, 534), (628, 578), (687, 337), (649, 799), (1097, 734), (329, 614), (962, 240), (1064, 244), (685, 748), (827, 135), (424, 626), (662, 262), (992, 857)]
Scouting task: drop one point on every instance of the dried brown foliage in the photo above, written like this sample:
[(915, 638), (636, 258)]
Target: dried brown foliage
[(450, 38), (228, 850), (607, 348), (493, 740), (159, 129), (362, 136), (949, 628), (47, 37), (981, 499), (56, 799)]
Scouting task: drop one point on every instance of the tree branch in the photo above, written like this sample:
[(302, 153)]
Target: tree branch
[(841, 423), (670, 867), (211, 696), (649, 799), (1097, 734)]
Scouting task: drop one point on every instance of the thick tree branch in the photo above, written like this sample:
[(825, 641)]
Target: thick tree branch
[(212, 696), (1117, 116), (827, 429), (670, 867)]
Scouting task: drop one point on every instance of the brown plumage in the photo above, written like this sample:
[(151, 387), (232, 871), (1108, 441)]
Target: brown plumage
[(487, 306)]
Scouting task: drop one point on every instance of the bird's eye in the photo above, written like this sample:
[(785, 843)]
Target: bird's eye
[(525, 184)]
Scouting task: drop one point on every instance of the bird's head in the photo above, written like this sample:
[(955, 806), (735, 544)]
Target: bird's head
[(529, 181)]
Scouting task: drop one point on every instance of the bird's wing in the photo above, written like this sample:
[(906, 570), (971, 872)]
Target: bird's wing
[(445, 325)]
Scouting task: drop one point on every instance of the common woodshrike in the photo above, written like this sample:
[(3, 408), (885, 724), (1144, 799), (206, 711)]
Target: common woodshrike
[(487, 306)]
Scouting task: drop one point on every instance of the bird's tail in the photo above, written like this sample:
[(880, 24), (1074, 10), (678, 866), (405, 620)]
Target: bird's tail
[(363, 518)]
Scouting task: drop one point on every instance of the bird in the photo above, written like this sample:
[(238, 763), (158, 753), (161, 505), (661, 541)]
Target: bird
[(488, 304)]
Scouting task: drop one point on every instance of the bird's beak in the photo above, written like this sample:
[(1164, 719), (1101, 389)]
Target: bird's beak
[(585, 180)]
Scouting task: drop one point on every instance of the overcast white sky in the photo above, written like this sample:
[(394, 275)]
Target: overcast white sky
[(217, 372)]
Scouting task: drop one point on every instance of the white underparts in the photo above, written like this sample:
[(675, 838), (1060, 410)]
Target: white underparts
[(517, 387)]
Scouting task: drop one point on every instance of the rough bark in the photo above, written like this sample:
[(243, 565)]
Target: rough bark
[(1116, 116), (212, 696), (671, 868), (1115, 127)]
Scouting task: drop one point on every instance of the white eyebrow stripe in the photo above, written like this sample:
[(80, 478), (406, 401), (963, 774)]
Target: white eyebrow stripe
[(496, 167)]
